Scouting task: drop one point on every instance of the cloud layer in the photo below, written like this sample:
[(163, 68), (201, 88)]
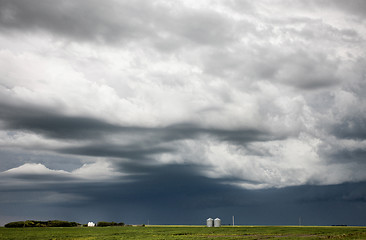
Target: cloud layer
[(247, 95)]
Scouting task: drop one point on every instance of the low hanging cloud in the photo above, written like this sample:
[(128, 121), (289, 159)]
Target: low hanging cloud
[(93, 172)]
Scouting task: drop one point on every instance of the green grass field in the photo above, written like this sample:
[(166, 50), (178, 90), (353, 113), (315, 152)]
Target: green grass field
[(183, 232)]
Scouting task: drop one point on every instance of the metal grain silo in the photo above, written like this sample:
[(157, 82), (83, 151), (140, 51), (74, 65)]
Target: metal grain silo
[(210, 222), (217, 222)]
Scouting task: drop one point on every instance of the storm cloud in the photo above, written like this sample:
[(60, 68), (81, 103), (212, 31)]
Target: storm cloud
[(197, 108)]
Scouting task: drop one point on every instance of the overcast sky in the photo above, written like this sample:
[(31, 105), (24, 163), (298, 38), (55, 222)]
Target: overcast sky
[(176, 111)]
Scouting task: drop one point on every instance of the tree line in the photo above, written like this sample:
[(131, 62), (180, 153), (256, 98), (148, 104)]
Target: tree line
[(34, 223), (108, 224)]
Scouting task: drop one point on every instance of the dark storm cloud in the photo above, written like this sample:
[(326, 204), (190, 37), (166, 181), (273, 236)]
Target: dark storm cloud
[(130, 152), (51, 124), (178, 194), (57, 126), (40, 177), (183, 131)]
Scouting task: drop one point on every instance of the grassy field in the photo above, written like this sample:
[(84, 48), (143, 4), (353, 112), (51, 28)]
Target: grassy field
[(183, 232)]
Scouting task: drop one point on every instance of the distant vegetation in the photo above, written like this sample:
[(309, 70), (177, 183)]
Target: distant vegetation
[(107, 224), (33, 223)]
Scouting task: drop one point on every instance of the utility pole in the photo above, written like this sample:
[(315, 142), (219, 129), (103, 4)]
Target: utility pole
[(233, 221), (299, 221)]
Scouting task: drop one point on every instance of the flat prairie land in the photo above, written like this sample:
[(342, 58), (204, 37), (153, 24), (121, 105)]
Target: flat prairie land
[(183, 232)]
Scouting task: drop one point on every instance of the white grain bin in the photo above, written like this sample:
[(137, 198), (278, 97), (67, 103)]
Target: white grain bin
[(210, 222), (91, 224), (217, 222)]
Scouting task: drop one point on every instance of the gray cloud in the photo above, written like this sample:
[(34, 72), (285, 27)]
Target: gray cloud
[(356, 7), (118, 22), (351, 128), (357, 156), (300, 69)]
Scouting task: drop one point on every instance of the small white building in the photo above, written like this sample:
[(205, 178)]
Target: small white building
[(91, 224)]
